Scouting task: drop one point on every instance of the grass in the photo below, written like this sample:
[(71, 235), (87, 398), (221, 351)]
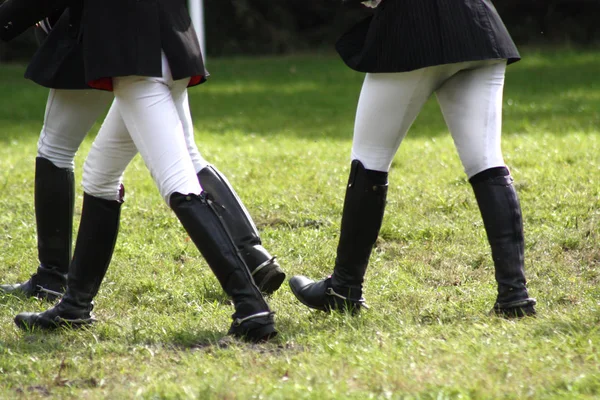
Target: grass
[(280, 128)]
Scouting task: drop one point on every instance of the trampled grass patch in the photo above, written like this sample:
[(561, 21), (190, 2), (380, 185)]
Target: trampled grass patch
[(280, 129)]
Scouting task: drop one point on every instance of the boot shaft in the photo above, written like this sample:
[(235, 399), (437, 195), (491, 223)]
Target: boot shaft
[(98, 231), (229, 207), (503, 222), (364, 207), (240, 226), (198, 216), (499, 206), (54, 203)]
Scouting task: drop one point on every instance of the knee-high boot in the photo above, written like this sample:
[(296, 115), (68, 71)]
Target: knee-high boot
[(264, 268), (364, 206), (54, 199), (96, 239), (252, 320), (501, 213)]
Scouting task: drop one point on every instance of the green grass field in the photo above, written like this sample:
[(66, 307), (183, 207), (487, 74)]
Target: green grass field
[(281, 128)]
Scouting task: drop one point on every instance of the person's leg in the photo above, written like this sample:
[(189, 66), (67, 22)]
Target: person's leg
[(471, 102), (103, 170), (147, 109), (70, 114), (265, 269), (151, 117), (182, 105), (111, 153), (388, 105)]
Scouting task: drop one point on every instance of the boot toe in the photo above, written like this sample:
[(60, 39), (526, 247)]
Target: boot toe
[(19, 289), (299, 282), (29, 321), (23, 320), (10, 288), (44, 291), (310, 293)]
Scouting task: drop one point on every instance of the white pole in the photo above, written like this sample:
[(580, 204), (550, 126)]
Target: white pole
[(197, 15)]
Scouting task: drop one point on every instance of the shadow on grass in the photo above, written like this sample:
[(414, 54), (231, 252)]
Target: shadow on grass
[(59, 342), (316, 96), (180, 333), (37, 342)]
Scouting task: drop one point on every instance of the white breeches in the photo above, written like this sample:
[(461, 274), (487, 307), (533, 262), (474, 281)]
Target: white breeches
[(470, 97), (152, 116), (70, 114)]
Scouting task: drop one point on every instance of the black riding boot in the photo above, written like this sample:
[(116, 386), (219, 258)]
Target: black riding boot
[(93, 251), (501, 213), (252, 320), (264, 267), (364, 207), (54, 199)]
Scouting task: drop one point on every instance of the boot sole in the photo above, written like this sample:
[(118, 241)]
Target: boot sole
[(271, 281), (49, 325), (515, 312)]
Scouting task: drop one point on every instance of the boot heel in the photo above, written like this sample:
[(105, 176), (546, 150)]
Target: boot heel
[(516, 309), (255, 328)]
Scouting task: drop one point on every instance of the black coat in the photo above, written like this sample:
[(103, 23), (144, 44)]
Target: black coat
[(125, 37), (16, 16), (404, 35), (59, 62), (96, 40)]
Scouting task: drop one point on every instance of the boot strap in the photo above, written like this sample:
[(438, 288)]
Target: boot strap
[(261, 266), (361, 301), (42, 289), (239, 321)]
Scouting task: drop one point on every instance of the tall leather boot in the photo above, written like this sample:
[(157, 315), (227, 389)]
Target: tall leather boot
[(54, 200), (252, 320), (265, 270), (364, 207), (96, 239), (501, 213)]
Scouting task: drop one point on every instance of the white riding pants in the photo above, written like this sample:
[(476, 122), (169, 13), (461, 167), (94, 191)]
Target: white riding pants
[(152, 116), (469, 95), (70, 114)]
